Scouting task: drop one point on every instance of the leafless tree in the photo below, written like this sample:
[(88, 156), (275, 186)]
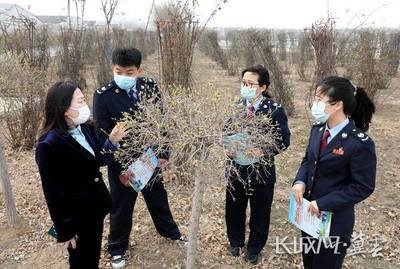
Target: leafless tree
[(108, 7), (70, 58), (103, 43), (322, 38), (209, 45), (178, 33), (24, 39), (194, 130), (22, 101), (279, 86), (302, 57), (282, 46)]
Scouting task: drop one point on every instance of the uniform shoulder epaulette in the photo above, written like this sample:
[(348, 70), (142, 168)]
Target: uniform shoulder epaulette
[(270, 104), (360, 135), (104, 88), (147, 80), (318, 123)]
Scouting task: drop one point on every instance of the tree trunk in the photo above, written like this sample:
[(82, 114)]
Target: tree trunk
[(11, 210), (69, 15), (197, 204)]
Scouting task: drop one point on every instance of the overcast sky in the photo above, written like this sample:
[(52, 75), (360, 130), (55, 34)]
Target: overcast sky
[(248, 13)]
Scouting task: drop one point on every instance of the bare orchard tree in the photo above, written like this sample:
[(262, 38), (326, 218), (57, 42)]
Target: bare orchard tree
[(322, 39), (388, 48), (103, 43), (371, 59), (393, 53), (178, 33), (282, 51), (194, 129), (80, 12), (70, 58), (103, 58), (282, 45), (260, 41), (234, 49), (209, 45), (108, 7), (22, 101), (367, 62), (302, 57), (23, 38)]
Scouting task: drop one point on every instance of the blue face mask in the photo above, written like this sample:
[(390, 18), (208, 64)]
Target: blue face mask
[(318, 111), (125, 82), (247, 92)]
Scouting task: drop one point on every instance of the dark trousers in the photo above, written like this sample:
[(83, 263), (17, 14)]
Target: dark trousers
[(123, 202), (326, 258), (237, 197), (88, 245)]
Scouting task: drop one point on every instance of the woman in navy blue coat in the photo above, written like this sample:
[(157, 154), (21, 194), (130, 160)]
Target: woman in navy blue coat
[(339, 167), (254, 183), (69, 157)]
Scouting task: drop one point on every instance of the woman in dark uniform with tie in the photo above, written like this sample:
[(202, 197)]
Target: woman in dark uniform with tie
[(339, 167), (254, 183), (69, 158)]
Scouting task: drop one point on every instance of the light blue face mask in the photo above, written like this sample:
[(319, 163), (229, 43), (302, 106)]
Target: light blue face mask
[(318, 112), (247, 92), (125, 82)]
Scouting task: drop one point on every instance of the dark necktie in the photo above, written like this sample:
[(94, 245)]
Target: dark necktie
[(250, 112), (324, 142), (133, 95)]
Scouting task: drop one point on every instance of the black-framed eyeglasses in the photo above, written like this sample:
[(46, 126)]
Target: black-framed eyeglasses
[(249, 84)]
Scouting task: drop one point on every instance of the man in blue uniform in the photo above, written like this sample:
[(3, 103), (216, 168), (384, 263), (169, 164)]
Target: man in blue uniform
[(123, 95)]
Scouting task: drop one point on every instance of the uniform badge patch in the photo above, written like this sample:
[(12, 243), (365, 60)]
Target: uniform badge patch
[(338, 151)]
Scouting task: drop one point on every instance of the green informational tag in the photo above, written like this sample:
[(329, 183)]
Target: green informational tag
[(52, 232)]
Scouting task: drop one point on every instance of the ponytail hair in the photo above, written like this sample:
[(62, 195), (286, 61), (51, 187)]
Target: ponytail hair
[(362, 114), (356, 102)]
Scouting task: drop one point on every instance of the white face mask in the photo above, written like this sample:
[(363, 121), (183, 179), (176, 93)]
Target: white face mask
[(84, 114), (318, 111)]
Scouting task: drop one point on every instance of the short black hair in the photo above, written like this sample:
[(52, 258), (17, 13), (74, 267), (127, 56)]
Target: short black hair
[(263, 76), (127, 57)]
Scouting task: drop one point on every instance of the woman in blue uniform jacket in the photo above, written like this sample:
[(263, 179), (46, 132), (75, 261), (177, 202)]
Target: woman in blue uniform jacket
[(254, 183), (339, 167), (69, 158)]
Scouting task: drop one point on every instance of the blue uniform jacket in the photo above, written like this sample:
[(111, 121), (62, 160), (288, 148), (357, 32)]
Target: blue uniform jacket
[(267, 173), (109, 104), (341, 176)]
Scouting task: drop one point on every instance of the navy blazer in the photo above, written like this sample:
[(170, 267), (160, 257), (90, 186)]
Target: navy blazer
[(72, 183), (267, 173), (110, 103), (341, 176)]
